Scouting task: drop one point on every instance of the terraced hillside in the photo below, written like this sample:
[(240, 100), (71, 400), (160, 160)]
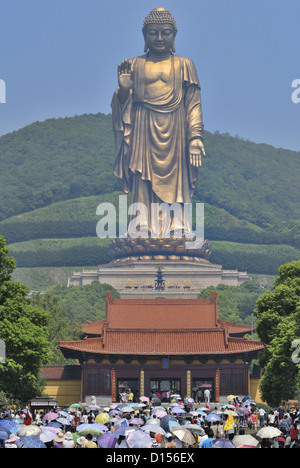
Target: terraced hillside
[(55, 173)]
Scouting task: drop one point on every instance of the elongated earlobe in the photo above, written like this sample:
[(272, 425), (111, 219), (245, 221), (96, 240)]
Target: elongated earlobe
[(173, 47)]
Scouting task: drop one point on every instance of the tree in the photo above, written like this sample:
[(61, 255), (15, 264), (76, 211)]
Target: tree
[(236, 303), (278, 325), (23, 328), (60, 326), (69, 309)]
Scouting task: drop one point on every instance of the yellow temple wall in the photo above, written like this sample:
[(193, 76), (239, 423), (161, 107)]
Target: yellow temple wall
[(66, 391)]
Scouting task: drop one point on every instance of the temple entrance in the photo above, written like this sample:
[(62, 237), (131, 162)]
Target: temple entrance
[(123, 387), (198, 388), (164, 388)]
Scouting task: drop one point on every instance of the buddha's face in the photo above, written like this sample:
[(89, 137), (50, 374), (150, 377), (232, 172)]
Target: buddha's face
[(159, 38)]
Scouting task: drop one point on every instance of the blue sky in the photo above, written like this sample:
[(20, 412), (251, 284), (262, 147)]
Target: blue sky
[(59, 58)]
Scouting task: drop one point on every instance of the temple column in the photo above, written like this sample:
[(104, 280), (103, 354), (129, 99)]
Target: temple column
[(188, 384), (142, 382), (217, 385), (113, 386)]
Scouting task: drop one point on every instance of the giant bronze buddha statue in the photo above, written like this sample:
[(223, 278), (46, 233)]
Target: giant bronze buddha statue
[(157, 120)]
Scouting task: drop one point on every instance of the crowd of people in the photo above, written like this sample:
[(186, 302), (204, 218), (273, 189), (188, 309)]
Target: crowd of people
[(148, 424)]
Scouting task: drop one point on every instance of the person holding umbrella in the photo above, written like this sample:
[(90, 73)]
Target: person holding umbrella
[(90, 442)]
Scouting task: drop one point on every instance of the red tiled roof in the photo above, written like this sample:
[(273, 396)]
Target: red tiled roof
[(161, 327), (93, 328), (72, 372), (176, 314), (234, 327), (133, 342)]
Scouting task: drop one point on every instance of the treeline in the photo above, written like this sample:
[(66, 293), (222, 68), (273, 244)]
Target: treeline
[(260, 259), (77, 218), (74, 306), (60, 252), (236, 304), (56, 160)]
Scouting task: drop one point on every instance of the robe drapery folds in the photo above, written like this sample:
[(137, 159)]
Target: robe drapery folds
[(152, 136)]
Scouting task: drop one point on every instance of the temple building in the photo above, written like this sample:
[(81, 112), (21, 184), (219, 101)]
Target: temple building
[(162, 346)]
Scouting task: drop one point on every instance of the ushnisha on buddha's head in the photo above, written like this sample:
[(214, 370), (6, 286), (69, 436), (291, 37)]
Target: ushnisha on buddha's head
[(159, 30)]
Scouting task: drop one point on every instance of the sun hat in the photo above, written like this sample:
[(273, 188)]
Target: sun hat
[(60, 437), (68, 435), (82, 441), (12, 439)]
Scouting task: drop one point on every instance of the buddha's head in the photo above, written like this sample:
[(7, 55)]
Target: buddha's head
[(159, 30)]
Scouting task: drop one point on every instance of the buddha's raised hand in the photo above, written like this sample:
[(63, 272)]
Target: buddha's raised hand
[(125, 77)]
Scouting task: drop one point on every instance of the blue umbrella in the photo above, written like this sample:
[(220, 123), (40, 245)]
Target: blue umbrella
[(123, 430), (32, 442), (222, 443), (173, 424), (4, 433), (164, 422), (7, 424), (54, 424), (14, 430)]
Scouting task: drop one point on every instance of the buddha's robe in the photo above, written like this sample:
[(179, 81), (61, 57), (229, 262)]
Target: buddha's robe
[(153, 130)]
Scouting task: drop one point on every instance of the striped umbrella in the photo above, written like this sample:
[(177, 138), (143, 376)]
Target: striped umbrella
[(7, 424), (4, 433), (32, 442)]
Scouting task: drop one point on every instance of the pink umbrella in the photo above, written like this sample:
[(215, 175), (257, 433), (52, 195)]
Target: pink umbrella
[(246, 446), (136, 421), (144, 399), (178, 410), (50, 416), (160, 414)]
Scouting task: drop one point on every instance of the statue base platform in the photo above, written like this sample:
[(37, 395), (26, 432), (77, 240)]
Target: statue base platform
[(160, 249), (134, 276)]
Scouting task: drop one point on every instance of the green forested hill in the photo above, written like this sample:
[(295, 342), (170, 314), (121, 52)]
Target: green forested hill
[(55, 173)]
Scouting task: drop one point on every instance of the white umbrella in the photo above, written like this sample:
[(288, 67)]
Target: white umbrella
[(31, 430), (127, 409), (155, 428), (246, 439), (234, 414), (139, 439), (268, 432), (152, 421), (46, 435), (194, 428), (64, 421), (184, 435), (64, 414)]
